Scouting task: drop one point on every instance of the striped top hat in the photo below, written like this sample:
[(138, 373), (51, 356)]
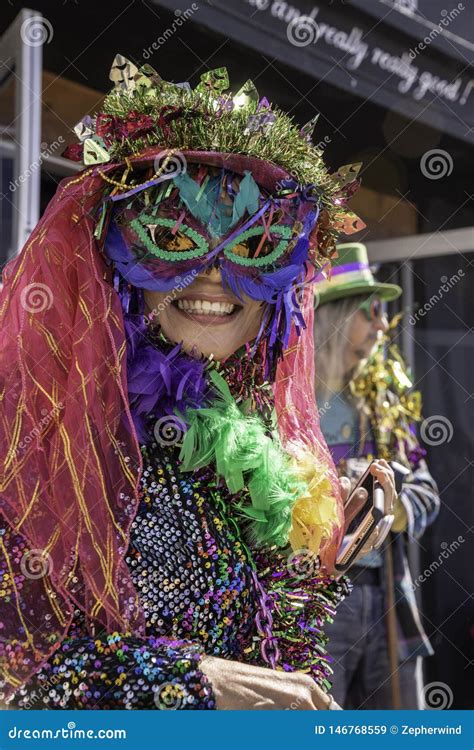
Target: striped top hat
[(351, 275)]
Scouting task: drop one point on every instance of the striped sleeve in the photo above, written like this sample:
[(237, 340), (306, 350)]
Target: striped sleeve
[(420, 498)]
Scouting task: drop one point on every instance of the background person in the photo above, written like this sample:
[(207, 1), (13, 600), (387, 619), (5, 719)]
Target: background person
[(367, 410)]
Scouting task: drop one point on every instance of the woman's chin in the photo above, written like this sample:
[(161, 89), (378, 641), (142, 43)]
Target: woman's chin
[(207, 335)]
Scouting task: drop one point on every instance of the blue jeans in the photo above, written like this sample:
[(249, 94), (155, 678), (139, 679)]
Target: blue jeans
[(358, 646)]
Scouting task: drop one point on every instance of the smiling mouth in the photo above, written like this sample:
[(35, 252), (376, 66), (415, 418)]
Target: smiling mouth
[(207, 308)]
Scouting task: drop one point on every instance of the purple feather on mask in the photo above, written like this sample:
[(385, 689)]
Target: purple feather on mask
[(160, 383)]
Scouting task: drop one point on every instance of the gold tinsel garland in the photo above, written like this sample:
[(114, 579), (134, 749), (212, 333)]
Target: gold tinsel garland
[(384, 387)]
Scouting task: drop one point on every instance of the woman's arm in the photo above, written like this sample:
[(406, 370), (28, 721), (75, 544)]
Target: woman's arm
[(240, 686), (119, 672)]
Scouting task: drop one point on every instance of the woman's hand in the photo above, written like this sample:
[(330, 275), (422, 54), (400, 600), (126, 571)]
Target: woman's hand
[(239, 686), (383, 473)]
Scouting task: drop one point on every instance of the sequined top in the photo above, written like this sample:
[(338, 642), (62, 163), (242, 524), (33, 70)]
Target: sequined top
[(198, 585), (188, 562)]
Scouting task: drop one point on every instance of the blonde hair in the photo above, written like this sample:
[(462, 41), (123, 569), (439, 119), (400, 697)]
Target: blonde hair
[(332, 322)]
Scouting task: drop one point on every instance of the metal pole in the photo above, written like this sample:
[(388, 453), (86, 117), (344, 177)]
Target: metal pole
[(24, 58), (408, 341)]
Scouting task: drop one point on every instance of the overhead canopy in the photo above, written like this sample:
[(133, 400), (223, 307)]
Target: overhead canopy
[(404, 61)]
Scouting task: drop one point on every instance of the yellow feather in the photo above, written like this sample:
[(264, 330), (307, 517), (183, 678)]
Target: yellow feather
[(315, 512)]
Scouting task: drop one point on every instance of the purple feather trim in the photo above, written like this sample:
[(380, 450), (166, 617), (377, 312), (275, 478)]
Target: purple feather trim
[(159, 383)]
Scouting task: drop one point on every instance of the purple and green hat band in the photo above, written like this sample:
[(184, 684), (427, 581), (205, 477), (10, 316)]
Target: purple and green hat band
[(346, 273), (350, 276)]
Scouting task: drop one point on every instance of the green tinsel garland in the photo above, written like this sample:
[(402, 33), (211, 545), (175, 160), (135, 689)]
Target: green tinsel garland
[(202, 129), (244, 456)]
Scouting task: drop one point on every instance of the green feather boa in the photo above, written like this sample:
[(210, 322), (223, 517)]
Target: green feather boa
[(245, 457)]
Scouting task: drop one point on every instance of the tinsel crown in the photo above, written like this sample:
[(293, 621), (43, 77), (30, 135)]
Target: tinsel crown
[(144, 111)]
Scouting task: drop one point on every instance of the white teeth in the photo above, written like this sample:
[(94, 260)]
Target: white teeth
[(204, 307)]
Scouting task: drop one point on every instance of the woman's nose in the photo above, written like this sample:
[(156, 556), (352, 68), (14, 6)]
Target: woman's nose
[(213, 274)]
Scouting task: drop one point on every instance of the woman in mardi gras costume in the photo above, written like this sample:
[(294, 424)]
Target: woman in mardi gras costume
[(170, 513)]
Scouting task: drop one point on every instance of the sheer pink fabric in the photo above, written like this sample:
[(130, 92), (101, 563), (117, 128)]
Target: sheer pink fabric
[(297, 412), (70, 465)]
